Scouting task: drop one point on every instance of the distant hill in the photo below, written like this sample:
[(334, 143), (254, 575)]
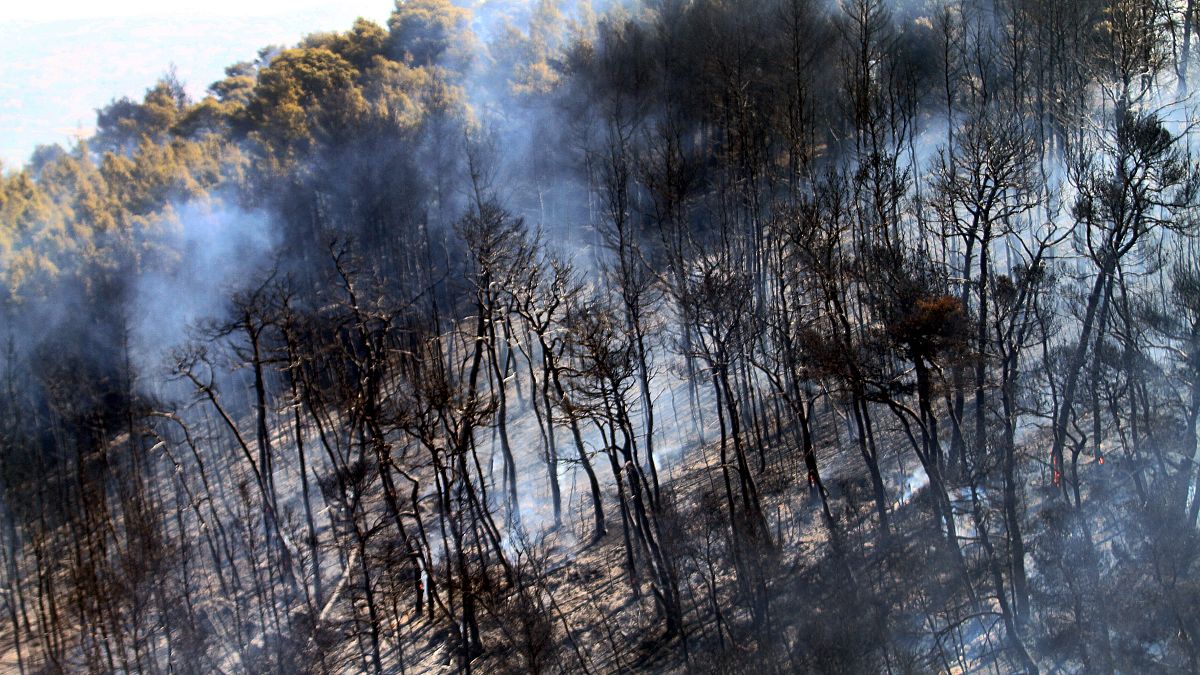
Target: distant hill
[(57, 73)]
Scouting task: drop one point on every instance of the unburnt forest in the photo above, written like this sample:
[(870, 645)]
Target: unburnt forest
[(691, 336)]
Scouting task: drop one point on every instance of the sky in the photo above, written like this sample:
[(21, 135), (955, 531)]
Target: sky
[(60, 60)]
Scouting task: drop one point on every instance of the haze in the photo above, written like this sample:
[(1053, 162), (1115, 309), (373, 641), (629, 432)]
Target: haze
[(63, 60)]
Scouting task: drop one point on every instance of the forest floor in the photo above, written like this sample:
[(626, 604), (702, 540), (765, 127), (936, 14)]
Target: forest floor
[(588, 588), (599, 624)]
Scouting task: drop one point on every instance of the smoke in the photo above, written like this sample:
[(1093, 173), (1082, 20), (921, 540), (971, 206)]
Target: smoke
[(912, 484), (210, 249)]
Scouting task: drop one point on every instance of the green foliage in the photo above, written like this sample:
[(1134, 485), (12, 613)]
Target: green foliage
[(398, 94), (529, 59), (266, 124), (122, 124), (69, 214), (359, 46), (238, 86), (431, 32), (306, 96)]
